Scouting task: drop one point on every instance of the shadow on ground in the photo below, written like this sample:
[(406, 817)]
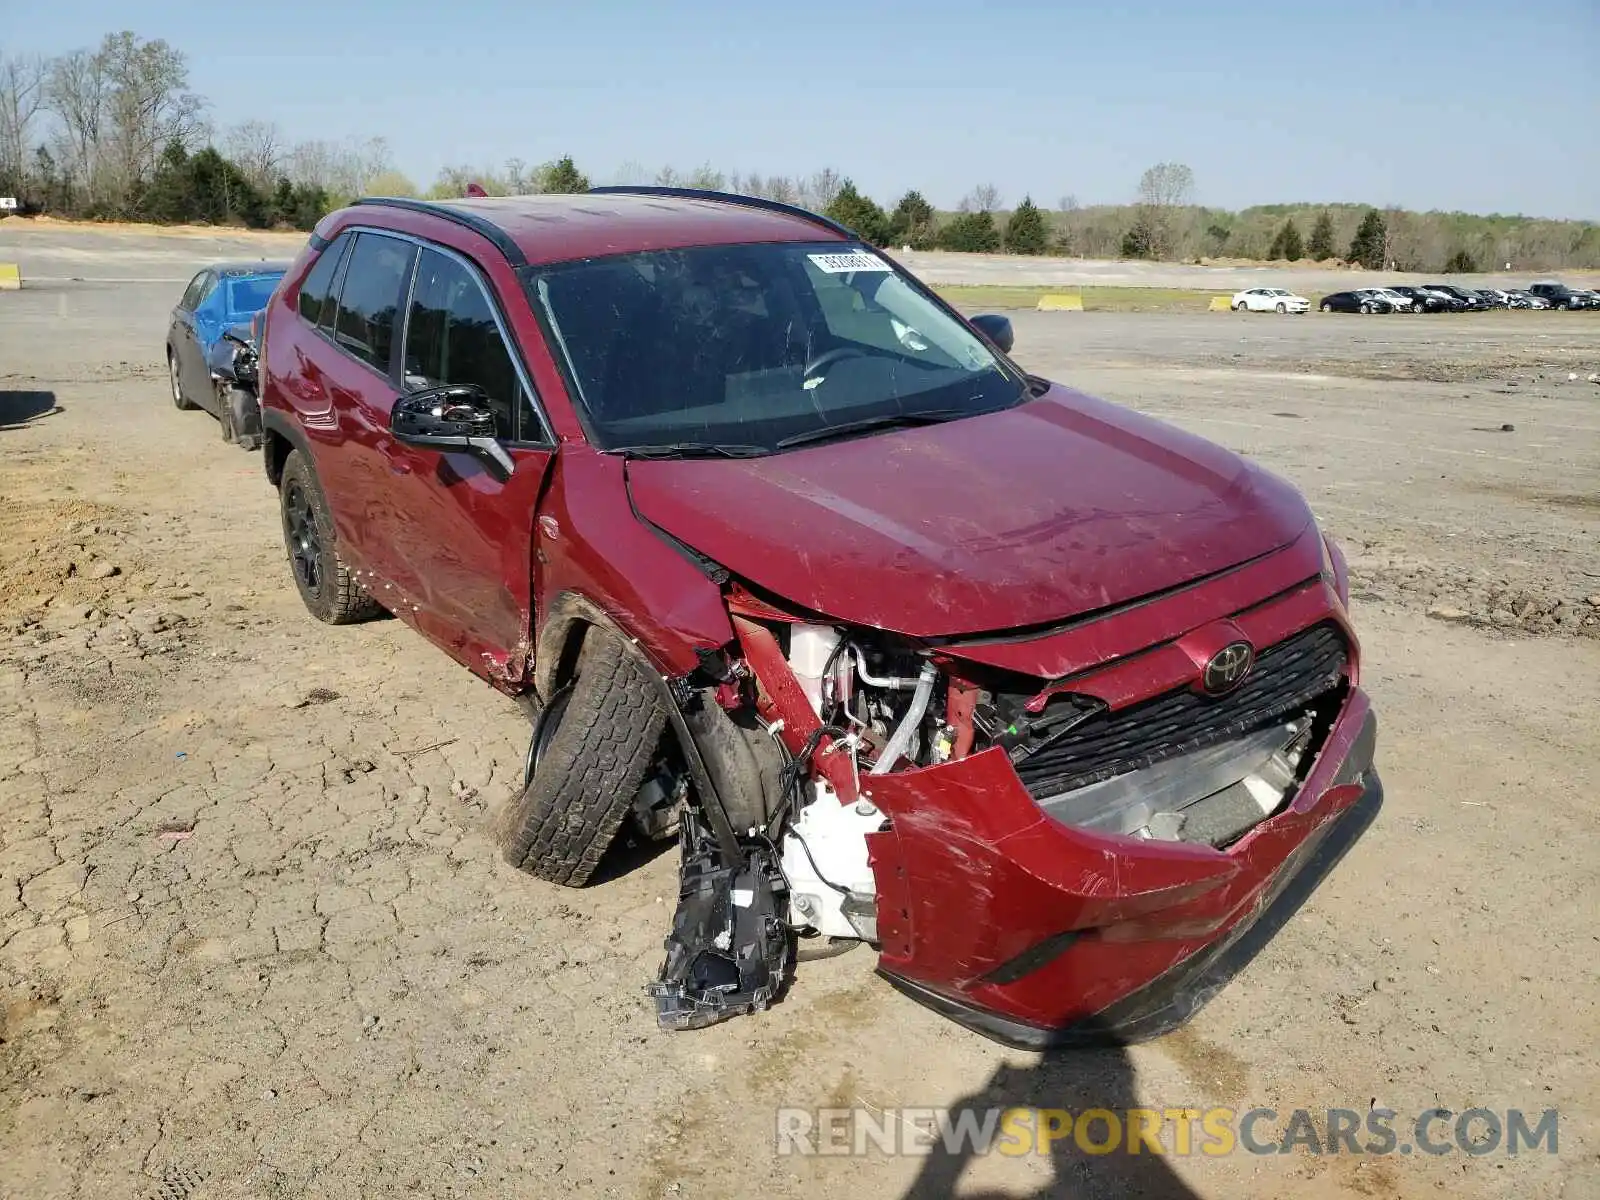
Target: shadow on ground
[(18, 408)]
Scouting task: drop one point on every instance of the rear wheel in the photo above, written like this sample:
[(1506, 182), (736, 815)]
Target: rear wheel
[(591, 753), (179, 400), (327, 586), (1239, 306), (1326, 307)]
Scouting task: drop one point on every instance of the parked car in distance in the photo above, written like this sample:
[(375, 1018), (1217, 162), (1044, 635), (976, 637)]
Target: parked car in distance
[(1522, 298), (1269, 300), (1468, 298), (1494, 297), (1400, 302), (732, 502), (1361, 300), (1423, 300), (221, 297), (1559, 295)]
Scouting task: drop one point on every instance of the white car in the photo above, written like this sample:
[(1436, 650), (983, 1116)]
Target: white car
[(1401, 303), (1269, 300)]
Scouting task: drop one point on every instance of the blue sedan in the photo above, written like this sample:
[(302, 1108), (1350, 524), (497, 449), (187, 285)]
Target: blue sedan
[(221, 297)]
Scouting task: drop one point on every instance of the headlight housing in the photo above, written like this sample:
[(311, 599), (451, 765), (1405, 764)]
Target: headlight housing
[(1335, 570)]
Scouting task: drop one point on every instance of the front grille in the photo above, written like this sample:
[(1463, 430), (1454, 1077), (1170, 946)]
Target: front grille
[(1286, 677)]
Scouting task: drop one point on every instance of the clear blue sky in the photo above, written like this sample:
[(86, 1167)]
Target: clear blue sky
[(1472, 104)]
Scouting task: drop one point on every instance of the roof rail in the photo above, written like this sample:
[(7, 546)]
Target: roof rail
[(791, 210), (465, 217)]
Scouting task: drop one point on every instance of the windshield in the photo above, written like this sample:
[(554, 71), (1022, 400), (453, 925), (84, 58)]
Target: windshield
[(248, 293), (748, 348)]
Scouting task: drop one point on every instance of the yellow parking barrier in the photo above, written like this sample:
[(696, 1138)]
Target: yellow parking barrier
[(1060, 302), (10, 277), (1221, 304)]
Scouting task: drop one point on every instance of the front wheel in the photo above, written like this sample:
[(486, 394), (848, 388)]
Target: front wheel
[(1366, 310), (592, 752), (1282, 308)]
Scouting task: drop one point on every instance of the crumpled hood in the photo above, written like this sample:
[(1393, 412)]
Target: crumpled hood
[(1061, 506)]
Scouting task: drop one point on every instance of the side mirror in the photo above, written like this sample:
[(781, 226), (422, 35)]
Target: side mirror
[(996, 328), (454, 416)]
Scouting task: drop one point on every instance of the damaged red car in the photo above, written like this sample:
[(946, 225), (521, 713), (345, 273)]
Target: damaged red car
[(1054, 704)]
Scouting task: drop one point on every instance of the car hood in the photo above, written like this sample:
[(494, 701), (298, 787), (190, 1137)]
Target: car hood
[(1061, 506)]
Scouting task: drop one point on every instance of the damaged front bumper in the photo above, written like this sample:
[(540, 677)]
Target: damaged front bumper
[(1040, 934)]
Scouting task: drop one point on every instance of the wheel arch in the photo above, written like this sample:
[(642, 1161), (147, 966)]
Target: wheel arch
[(279, 438)]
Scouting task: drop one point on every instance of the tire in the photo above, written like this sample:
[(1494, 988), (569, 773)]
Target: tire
[(1240, 306), (1327, 307), (1282, 308), (327, 586), (225, 418), (180, 401), (1366, 310), (589, 768)]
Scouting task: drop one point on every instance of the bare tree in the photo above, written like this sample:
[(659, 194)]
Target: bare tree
[(22, 95), (667, 177), (822, 188), (782, 189), (1163, 190), (148, 104), (257, 147), (75, 91), (1166, 185), (1068, 204), (631, 174), (983, 199), (707, 177)]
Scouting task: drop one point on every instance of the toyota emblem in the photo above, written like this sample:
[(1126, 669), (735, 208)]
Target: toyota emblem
[(1227, 668)]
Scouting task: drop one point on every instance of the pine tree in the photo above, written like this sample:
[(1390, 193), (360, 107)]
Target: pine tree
[(912, 223), (971, 231), (1286, 244), (562, 176), (1320, 247), (860, 214), (1366, 247), (1140, 240), (1026, 232)]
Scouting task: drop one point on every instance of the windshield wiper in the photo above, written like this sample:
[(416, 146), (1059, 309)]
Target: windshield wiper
[(885, 421), (689, 450)]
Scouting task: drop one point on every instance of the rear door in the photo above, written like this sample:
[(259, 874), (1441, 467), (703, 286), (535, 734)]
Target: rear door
[(187, 350), (351, 371), (465, 534)]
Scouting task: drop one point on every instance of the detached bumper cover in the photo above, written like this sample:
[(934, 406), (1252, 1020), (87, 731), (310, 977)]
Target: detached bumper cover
[(1039, 935)]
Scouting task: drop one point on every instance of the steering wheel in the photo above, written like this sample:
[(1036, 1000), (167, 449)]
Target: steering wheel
[(828, 357)]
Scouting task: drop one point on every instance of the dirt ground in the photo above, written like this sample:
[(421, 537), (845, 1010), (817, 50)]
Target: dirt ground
[(254, 941)]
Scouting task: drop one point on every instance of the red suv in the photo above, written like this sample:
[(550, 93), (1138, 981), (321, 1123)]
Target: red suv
[(1054, 704)]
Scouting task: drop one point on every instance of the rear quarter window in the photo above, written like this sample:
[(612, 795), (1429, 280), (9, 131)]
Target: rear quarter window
[(316, 288)]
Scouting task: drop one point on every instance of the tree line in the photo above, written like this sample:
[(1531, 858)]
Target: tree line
[(115, 132)]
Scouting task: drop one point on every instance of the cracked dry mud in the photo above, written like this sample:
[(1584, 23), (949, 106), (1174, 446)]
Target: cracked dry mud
[(255, 942)]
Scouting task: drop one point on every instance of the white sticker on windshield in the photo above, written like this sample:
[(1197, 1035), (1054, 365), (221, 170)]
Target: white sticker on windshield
[(843, 264)]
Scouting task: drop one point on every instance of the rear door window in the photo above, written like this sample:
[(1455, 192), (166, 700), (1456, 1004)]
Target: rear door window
[(317, 286), (452, 337), (191, 294), (369, 298)]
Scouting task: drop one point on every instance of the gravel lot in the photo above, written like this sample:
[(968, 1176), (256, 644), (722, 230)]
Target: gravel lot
[(254, 941)]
